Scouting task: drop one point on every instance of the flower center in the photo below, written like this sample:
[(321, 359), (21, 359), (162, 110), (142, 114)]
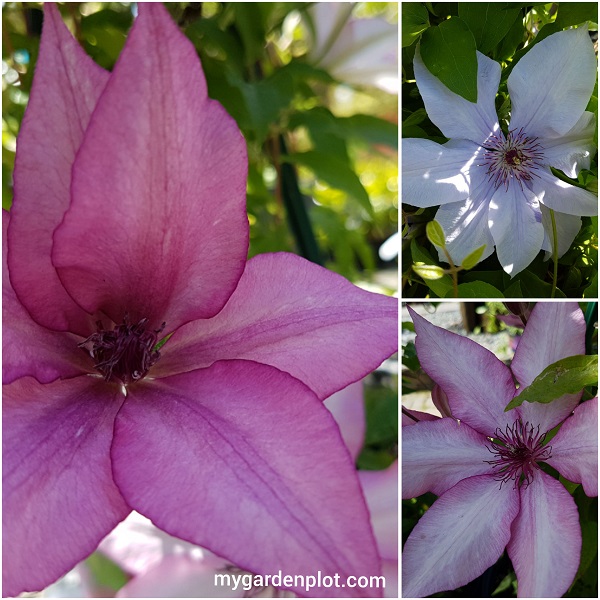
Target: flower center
[(514, 157), (517, 450), (125, 353)]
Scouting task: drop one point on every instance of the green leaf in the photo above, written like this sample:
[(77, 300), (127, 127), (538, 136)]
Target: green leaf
[(575, 13), (533, 287), (439, 287), (415, 20), (435, 234), (566, 376), (489, 22), (449, 53), (472, 259), (415, 118), (105, 572), (370, 129), (476, 289), (428, 271)]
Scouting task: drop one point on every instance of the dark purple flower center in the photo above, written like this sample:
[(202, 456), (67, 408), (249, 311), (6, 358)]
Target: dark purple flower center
[(517, 450), (125, 353), (514, 157)]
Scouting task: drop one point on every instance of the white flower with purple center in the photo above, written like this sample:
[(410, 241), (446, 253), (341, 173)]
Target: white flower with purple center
[(496, 188)]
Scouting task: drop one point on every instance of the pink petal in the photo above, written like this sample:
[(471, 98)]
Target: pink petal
[(59, 499), (28, 348), (298, 317), (414, 416), (231, 458), (554, 330), (65, 90), (545, 539), (437, 455), (459, 537), (575, 447), (478, 385), (157, 226)]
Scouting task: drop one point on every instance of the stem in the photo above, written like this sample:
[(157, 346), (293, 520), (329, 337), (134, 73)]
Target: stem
[(453, 272), (554, 253)]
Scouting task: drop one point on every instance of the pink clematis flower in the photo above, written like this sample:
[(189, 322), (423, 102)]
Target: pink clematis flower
[(129, 226), (484, 463)]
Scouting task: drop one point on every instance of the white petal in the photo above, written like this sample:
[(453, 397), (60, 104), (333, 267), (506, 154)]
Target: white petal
[(433, 174), (567, 227), (552, 84), (515, 221), (456, 117), (562, 196)]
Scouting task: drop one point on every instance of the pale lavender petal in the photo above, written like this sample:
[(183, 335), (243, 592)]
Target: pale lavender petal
[(65, 90), (515, 221), (554, 331), (440, 400), (414, 416), (478, 385), (59, 498), (209, 467), (348, 409), (459, 537), (562, 196), (545, 541), (28, 348), (456, 117), (567, 227), (541, 107), (296, 316), (157, 226), (433, 174), (575, 447), (573, 151), (437, 455)]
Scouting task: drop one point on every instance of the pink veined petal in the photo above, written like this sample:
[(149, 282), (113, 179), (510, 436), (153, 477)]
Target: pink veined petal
[(434, 174), (541, 107), (209, 468), (567, 227), (573, 151), (456, 117), (545, 542), (562, 196), (65, 90), (515, 221), (575, 447), (296, 316), (478, 385), (381, 493), (59, 499), (459, 537), (28, 348), (437, 455), (348, 409), (415, 416), (392, 584), (157, 226), (554, 331)]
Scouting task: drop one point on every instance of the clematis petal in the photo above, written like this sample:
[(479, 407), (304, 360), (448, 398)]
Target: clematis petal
[(456, 117), (554, 330), (545, 542), (541, 107), (438, 454), (28, 348), (564, 197), (410, 417), (567, 228), (515, 221), (228, 486), (464, 369), (166, 239), (575, 447), (459, 537), (65, 90), (433, 174), (59, 499), (296, 316), (466, 224), (573, 151)]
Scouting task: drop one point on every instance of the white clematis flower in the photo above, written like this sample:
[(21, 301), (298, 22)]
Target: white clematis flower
[(496, 189)]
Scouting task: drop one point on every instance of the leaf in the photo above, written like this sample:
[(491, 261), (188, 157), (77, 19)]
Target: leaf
[(428, 271), (566, 376), (415, 20), (575, 13), (476, 289), (435, 234), (533, 287), (371, 129), (439, 287), (472, 259), (489, 22), (449, 53)]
